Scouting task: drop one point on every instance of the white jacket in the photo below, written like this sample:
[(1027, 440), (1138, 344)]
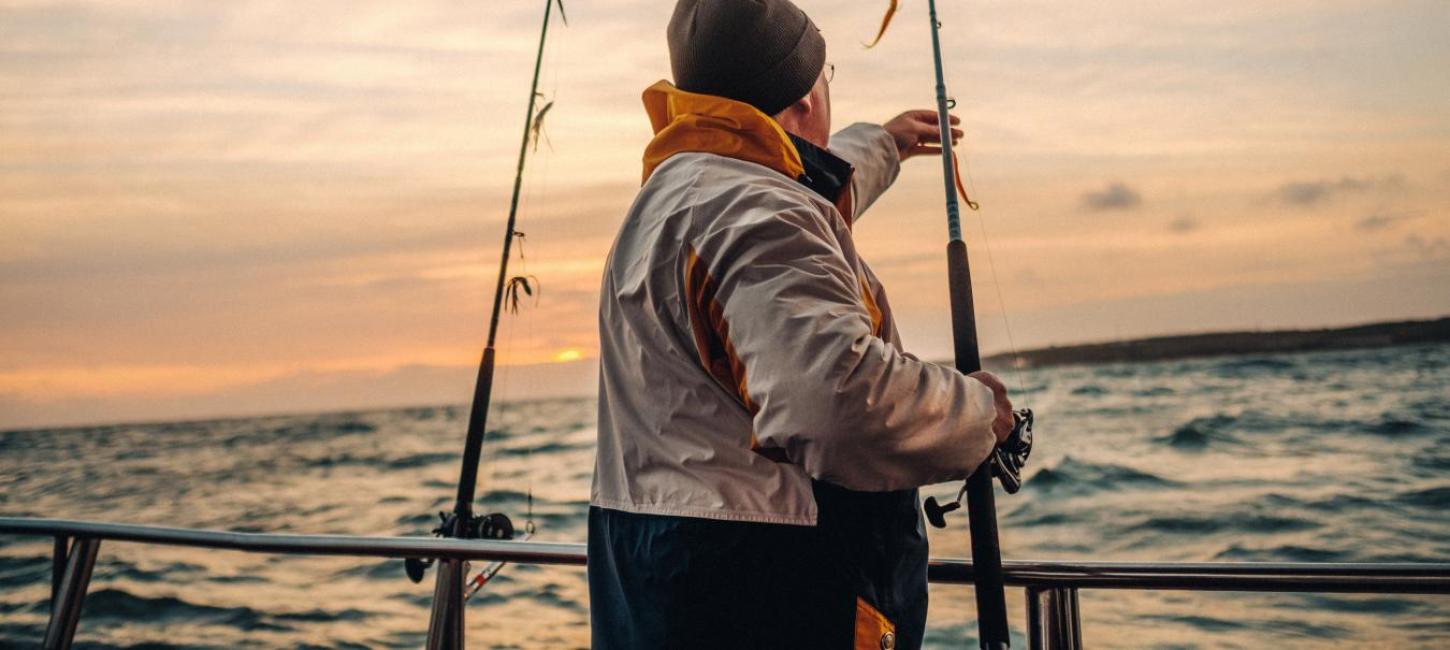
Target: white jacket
[(746, 348)]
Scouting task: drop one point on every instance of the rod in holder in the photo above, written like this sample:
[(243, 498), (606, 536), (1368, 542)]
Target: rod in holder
[(445, 627)]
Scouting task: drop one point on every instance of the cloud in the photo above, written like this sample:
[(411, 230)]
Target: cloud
[(1116, 196), (1380, 220), (1311, 193), (1427, 248), (1184, 223)]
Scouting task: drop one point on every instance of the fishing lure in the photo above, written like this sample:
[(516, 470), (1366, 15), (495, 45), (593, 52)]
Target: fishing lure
[(885, 22), (537, 128)]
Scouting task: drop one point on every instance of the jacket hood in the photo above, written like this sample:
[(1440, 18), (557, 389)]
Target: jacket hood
[(692, 122)]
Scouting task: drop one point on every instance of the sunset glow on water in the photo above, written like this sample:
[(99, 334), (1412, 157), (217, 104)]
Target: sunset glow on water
[(1326, 457)]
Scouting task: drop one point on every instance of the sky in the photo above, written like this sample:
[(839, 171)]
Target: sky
[(213, 209)]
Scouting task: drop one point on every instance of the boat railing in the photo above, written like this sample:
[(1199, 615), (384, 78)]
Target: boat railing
[(1052, 587)]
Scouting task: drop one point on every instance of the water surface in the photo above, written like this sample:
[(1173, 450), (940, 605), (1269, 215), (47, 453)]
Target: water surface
[(1322, 457)]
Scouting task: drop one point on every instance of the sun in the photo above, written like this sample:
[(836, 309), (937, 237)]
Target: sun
[(569, 354)]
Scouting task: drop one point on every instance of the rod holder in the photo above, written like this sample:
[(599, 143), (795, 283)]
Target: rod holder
[(70, 595), (1053, 619), (445, 627)]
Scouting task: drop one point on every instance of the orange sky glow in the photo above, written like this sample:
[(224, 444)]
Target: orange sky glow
[(247, 207)]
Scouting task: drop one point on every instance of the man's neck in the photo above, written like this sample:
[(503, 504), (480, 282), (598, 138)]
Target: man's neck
[(791, 125)]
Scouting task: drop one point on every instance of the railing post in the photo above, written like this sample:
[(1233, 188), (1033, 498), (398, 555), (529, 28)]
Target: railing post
[(445, 629), (1052, 619), (57, 566), (1036, 622), (65, 610), (1074, 619)]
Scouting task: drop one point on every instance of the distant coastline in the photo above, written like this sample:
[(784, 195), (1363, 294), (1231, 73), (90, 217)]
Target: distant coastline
[(1162, 348)]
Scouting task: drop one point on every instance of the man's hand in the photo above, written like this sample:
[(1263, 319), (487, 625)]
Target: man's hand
[(916, 133), (1002, 426)]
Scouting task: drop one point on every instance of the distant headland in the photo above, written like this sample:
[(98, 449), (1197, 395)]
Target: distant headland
[(1163, 348)]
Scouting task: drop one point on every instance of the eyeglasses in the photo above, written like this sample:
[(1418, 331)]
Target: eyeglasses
[(830, 72)]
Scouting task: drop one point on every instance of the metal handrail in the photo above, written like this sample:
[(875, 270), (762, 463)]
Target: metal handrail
[(1402, 578), (1051, 586), (349, 545)]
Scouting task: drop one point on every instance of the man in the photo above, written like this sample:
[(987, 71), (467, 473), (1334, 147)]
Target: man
[(761, 432)]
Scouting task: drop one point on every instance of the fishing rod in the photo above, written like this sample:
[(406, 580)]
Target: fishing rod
[(445, 626), (1005, 462)]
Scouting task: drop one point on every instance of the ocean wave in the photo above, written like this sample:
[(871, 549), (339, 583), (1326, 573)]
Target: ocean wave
[(322, 428), (1090, 390), (119, 604), (1395, 425), (546, 448), (1435, 498), (114, 569), (499, 496), (1071, 475), (1200, 433), (1277, 627), (1436, 461), (1028, 515), (1199, 622), (23, 570), (421, 460), (1437, 408), (1361, 604), (1242, 367), (410, 461), (415, 519), (1283, 553), (1256, 523)]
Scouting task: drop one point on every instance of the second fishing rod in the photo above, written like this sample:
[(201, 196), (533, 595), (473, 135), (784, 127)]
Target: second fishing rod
[(1006, 461)]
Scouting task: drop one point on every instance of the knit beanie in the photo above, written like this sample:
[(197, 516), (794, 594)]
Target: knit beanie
[(766, 53)]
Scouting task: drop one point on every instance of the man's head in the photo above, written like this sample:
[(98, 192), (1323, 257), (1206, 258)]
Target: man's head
[(810, 117), (766, 53)]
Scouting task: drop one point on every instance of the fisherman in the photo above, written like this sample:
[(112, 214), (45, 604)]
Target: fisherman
[(762, 435)]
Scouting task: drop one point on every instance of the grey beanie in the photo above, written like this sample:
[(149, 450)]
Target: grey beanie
[(766, 53)]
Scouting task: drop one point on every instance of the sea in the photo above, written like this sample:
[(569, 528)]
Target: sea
[(1315, 457)]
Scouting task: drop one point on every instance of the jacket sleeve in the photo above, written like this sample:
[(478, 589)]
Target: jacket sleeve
[(872, 152), (841, 402)]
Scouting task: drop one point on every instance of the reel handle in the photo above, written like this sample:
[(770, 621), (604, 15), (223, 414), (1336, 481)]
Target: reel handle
[(936, 512)]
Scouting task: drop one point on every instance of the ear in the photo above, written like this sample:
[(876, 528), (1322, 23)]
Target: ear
[(802, 107), (793, 116)]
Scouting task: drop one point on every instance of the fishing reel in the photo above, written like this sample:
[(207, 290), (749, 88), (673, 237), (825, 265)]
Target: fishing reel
[(496, 526), (1007, 462)]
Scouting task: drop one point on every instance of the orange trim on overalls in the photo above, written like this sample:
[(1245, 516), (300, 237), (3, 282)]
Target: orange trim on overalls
[(873, 630)]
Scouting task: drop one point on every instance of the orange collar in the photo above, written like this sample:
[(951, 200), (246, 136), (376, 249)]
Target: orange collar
[(692, 122)]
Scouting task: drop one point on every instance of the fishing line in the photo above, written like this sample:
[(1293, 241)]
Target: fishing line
[(545, 186), (965, 165), (1001, 301), (507, 354)]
